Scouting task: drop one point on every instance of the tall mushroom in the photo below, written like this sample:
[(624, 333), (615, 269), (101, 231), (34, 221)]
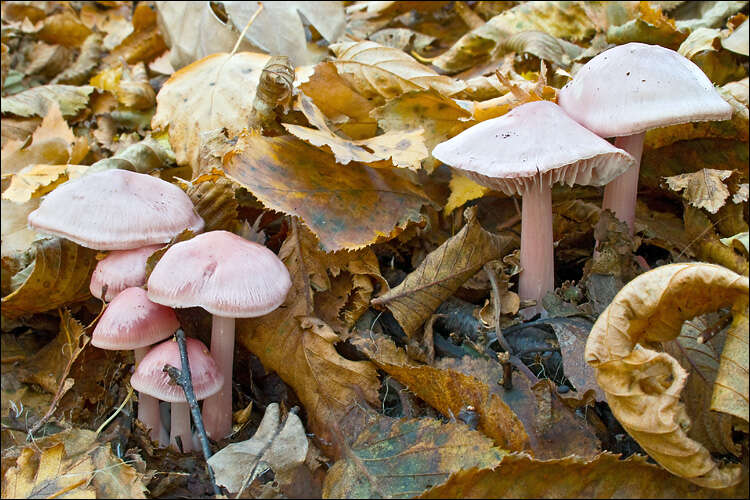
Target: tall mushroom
[(131, 321), (629, 89), (523, 153), (150, 378), (229, 277)]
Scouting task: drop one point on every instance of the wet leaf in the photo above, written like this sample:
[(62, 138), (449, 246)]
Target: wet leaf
[(60, 275), (402, 458), (326, 383), (440, 274), (280, 446), (642, 385), (345, 211), (605, 476), (448, 391)]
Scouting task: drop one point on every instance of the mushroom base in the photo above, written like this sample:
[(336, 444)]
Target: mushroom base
[(537, 253)]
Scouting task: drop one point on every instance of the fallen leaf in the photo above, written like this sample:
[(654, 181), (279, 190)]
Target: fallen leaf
[(707, 245), (571, 335), (703, 47), (643, 386), (382, 72), (34, 181), (404, 149), (737, 40), (275, 446), (145, 42), (36, 101), (129, 85), (15, 233), (604, 476), (440, 274), (448, 391), (463, 189), (703, 189), (730, 393), (403, 458), (79, 72), (650, 26), (326, 383), (60, 275), (345, 211), (64, 28)]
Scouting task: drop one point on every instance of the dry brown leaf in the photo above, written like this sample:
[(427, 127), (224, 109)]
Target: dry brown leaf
[(643, 386), (730, 393), (70, 464), (144, 43), (53, 142), (213, 93), (604, 476), (703, 189), (401, 458), (63, 28), (87, 60), (345, 211), (339, 102), (129, 85), (60, 275), (326, 383), (440, 274), (34, 181), (703, 47), (405, 149), (707, 245), (48, 60), (379, 72), (36, 101), (447, 391), (647, 24)]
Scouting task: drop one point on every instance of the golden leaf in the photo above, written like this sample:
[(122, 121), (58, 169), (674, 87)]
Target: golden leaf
[(34, 181), (703, 189)]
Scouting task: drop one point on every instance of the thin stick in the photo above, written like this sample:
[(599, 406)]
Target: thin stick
[(183, 379), (242, 35), (127, 398)]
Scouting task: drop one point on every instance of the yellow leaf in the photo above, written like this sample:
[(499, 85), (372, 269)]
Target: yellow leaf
[(463, 189), (34, 181)]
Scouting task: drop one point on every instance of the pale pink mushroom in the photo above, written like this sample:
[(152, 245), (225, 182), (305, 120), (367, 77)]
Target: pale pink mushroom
[(629, 89), (523, 153), (150, 378), (131, 321), (229, 277), (116, 210), (119, 270)]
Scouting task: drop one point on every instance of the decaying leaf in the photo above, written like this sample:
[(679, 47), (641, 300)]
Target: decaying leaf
[(448, 391), (60, 275), (275, 446), (326, 383), (70, 464), (402, 458), (572, 334), (405, 149), (440, 274), (604, 476), (703, 189), (643, 386), (346, 211)]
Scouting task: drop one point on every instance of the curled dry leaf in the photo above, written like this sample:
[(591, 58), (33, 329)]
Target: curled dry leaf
[(345, 211), (276, 446), (402, 458), (129, 85), (448, 391), (604, 476), (643, 386), (703, 189), (60, 275), (440, 274), (404, 148), (382, 72)]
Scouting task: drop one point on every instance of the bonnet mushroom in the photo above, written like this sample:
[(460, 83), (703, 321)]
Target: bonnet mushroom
[(150, 378), (629, 89), (119, 270), (131, 321), (230, 278), (523, 153)]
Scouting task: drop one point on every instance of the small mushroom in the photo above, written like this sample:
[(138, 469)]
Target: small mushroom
[(119, 270), (629, 89), (229, 277), (131, 321), (523, 153), (150, 378)]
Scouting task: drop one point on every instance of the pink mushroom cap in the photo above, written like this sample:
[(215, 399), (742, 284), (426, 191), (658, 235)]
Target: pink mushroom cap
[(116, 210), (149, 377), (221, 272), (635, 87), (535, 142), (119, 270), (132, 321)]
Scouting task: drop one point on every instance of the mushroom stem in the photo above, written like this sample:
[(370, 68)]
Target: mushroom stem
[(148, 406), (217, 409), (181, 426), (621, 193), (537, 254)]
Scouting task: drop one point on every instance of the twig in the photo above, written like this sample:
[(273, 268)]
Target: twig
[(242, 35), (118, 410), (183, 379)]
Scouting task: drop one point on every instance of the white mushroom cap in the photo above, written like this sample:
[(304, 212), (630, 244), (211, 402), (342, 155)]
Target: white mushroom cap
[(116, 210), (535, 142), (222, 273), (149, 377), (119, 270), (635, 87)]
